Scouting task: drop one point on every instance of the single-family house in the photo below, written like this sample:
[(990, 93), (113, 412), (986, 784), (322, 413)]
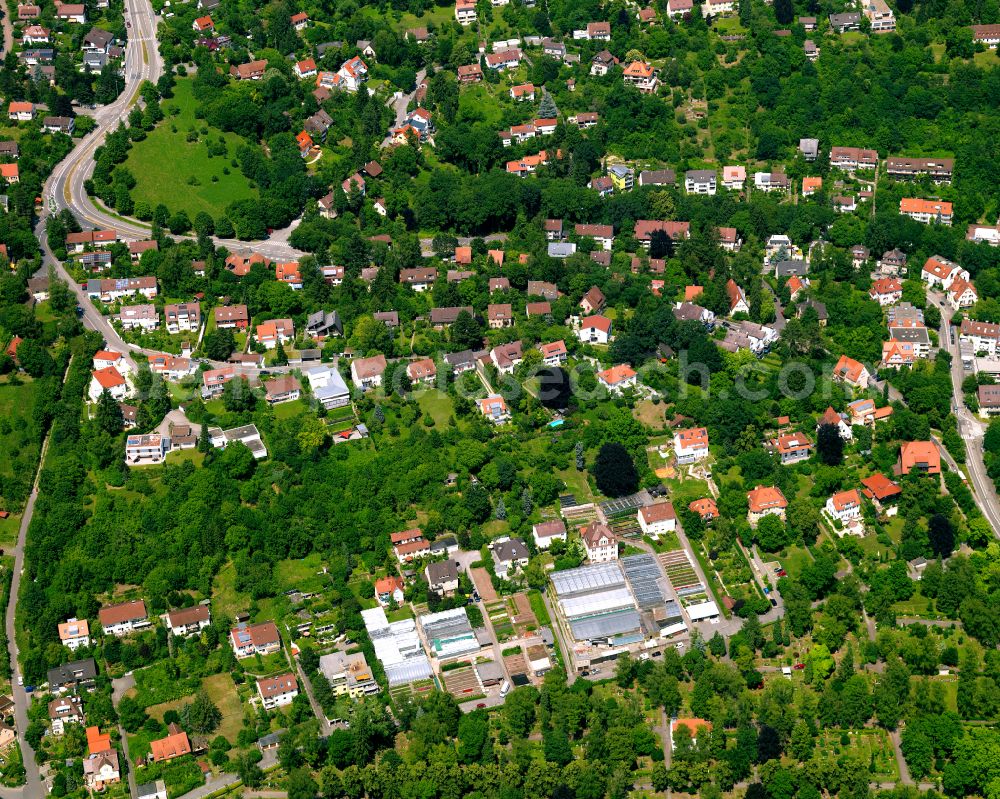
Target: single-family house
[(442, 577), (275, 692), (618, 378), (553, 353), (108, 379), (184, 622), (920, 456), (390, 589), (74, 633), (593, 301), (495, 409), (691, 445), (791, 448), (844, 506), (733, 177), (175, 744), (366, 373), (657, 519), (510, 555), (595, 330), (544, 533), (852, 372), (274, 332), (765, 501)]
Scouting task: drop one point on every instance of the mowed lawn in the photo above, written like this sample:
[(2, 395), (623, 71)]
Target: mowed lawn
[(165, 163)]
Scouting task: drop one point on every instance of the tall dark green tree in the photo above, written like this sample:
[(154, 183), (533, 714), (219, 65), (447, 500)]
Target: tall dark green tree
[(614, 471), (109, 414), (829, 445)]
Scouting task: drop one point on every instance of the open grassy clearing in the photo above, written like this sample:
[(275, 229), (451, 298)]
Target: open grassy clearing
[(437, 404), (165, 162)]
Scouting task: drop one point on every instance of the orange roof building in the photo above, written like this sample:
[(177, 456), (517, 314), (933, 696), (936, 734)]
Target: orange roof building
[(926, 211), (706, 508), (922, 456), (880, 488), (97, 741), (618, 378), (765, 501), (176, 744), (851, 372), (693, 726), (108, 378), (811, 185), (389, 585)]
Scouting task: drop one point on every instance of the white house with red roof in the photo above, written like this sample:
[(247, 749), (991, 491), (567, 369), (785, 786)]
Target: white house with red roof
[(107, 379), (961, 294), (737, 298), (844, 507), (733, 177), (831, 417), (886, 291), (545, 533), (729, 239), (275, 332), (897, 354), (600, 543), (852, 372), (495, 409), (791, 448), (939, 272), (553, 353), (765, 501), (679, 8), (105, 358), (275, 692), (691, 445), (657, 519), (641, 75), (351, 75), (305, 68), (618, 378), (465, 12), (706, 508), (926, 211), (389, 590), (248, 640), (595, 330)]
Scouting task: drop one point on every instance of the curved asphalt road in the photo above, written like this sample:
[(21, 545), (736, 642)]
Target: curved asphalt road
[(65, 187)]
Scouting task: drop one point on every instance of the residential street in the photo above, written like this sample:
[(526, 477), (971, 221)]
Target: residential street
[(65, 187), (969, 427), (225, 780)]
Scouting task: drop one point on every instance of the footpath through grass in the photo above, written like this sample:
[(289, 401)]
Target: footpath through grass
[(179, 173)]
